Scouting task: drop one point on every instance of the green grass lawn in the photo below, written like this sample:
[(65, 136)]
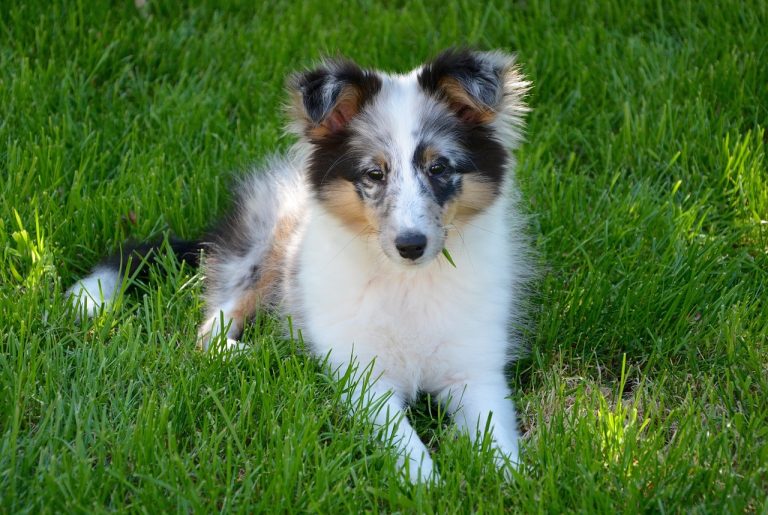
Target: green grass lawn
[(646, 384)]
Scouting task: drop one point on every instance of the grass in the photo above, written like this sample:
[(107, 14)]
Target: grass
[(645, 172)]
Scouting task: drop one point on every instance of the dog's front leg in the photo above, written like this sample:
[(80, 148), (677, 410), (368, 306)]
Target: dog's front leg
[(483, 403), (384, 409)]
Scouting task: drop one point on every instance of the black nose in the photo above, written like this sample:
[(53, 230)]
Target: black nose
[(411, 245)]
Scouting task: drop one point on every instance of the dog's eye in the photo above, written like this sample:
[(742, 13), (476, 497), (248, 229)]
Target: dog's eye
[(375, 174), (437, 169)]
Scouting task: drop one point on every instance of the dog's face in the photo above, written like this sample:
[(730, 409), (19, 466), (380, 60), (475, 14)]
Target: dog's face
[(405, 157)]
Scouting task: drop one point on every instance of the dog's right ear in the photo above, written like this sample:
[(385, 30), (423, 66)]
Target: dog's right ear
[(326, 99)]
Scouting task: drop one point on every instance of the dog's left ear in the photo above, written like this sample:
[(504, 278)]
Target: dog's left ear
[(325, 100), (477, 86)]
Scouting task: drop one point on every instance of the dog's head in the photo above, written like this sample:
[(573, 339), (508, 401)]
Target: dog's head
[(406, 156)]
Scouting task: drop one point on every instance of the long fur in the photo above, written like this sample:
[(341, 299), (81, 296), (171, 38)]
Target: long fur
[(346, 234)]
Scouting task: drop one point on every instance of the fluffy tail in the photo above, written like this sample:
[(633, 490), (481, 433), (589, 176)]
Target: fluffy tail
[(99, 288)]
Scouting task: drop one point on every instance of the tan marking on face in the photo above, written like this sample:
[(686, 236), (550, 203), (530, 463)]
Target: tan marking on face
[(340, 199), (465, 106), (381, 161), (449, 213), (476, 195), (429, 155)]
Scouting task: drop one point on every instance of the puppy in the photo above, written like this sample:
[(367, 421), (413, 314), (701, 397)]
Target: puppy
[(390, 235)]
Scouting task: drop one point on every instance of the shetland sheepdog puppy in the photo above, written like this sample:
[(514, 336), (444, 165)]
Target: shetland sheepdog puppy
[(390, 235)]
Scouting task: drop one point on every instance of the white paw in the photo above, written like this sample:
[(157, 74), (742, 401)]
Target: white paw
[(421, 471), (507, 460)]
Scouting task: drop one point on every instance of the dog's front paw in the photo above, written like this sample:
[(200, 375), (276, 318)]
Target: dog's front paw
[(507, 460), (419, 471)]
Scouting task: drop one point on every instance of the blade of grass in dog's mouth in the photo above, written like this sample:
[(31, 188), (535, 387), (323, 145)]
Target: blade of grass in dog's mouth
[(448, 257)]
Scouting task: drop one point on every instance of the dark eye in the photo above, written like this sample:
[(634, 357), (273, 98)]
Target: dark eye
[(375, 174), (437, 169)]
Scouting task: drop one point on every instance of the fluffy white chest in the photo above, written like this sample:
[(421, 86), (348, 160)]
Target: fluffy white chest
[(423, 328)]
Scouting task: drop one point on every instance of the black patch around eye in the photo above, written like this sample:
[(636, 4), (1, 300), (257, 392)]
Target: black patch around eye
[(419, 155), (445, 188), (485, 155), (424, 160), (442, 186), (332, 159), (438, 168), (375, 174)]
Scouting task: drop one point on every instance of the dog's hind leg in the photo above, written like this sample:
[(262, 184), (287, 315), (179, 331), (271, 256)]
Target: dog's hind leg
[(228, 310), (227, 319), (236, 288), (247, 260)]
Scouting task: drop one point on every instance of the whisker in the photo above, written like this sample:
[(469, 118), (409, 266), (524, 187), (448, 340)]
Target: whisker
[(475, 226), (342, 249), (344, 157)]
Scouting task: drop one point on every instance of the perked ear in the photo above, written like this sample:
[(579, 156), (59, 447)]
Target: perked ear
[(478, 86), (326, 99)]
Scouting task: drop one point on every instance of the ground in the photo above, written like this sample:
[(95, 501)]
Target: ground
[(644, 173)]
